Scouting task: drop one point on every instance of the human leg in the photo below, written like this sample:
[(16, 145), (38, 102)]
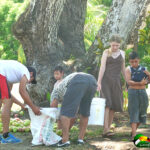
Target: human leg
[(134, 127), (6, 109), (73, 98), (85, 105), (134, 110), (143, 98), (106, 120), (72, 121), (111, 117), (65, 122), (138, 124), (83, 125), (70, 106), (59, 126), (7, 137), (143, 104), (7, 103)]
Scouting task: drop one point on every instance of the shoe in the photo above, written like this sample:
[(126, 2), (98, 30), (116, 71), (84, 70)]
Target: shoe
[(80, 142), (66, 144), (54, 145), (10, 139)]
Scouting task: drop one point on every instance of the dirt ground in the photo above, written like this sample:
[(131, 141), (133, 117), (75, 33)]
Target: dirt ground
[(120, 141)]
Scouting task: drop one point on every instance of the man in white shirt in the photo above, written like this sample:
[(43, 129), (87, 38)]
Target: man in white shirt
[(12, 72)]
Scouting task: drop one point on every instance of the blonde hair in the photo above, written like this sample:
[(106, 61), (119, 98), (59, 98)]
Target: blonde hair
[(114, 38)]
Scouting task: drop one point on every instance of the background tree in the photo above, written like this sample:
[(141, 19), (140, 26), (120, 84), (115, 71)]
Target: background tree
[(123, 17), (51, 33)]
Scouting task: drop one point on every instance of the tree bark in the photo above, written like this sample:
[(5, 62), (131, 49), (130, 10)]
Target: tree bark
[(51, 31)]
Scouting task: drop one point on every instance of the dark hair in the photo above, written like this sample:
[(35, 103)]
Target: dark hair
[(59, 68), (133, 55), (31, 69), (115, 38)]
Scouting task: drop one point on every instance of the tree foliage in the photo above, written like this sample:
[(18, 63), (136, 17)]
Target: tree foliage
[(96, 13), (144, 38), (144, 43), (9, 12)]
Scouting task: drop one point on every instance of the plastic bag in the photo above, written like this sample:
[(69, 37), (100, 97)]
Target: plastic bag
[(42, 127)]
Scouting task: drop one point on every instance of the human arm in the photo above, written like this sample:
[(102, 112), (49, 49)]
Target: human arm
[(147, 73), (25, 95), (14, 99), (58, 93), (102, 69), (131, 82), (54, 98), (54, 103), (123, 69)]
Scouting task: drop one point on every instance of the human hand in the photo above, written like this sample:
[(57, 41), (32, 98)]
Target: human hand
[(147, 73), (36, 110), (98, 87), (23, 106), (144, 81), (54, 103)]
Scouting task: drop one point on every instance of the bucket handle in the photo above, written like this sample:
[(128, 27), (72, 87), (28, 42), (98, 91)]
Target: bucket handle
[(97, 94)]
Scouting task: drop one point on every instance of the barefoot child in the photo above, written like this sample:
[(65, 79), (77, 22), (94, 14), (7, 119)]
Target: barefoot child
[(137, 78)]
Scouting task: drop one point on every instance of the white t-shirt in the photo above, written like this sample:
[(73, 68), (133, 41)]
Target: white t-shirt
[(13, 70)]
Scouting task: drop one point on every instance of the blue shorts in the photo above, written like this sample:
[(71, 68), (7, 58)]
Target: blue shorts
[(137, 105), (78, 96)]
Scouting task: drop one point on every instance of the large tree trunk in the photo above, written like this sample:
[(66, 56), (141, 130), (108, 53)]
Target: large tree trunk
[(122, 19), (51, 31)]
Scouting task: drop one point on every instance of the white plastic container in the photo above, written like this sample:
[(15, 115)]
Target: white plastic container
[(97, 111)]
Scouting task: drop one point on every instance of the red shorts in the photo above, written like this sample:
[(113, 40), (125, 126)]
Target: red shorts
[(4, 89)]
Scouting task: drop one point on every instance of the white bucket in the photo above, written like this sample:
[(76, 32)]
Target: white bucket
[(97, 111)]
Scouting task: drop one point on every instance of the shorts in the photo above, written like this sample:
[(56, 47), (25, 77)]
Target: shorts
[(78, 96), (137, 105), (4, 89)]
